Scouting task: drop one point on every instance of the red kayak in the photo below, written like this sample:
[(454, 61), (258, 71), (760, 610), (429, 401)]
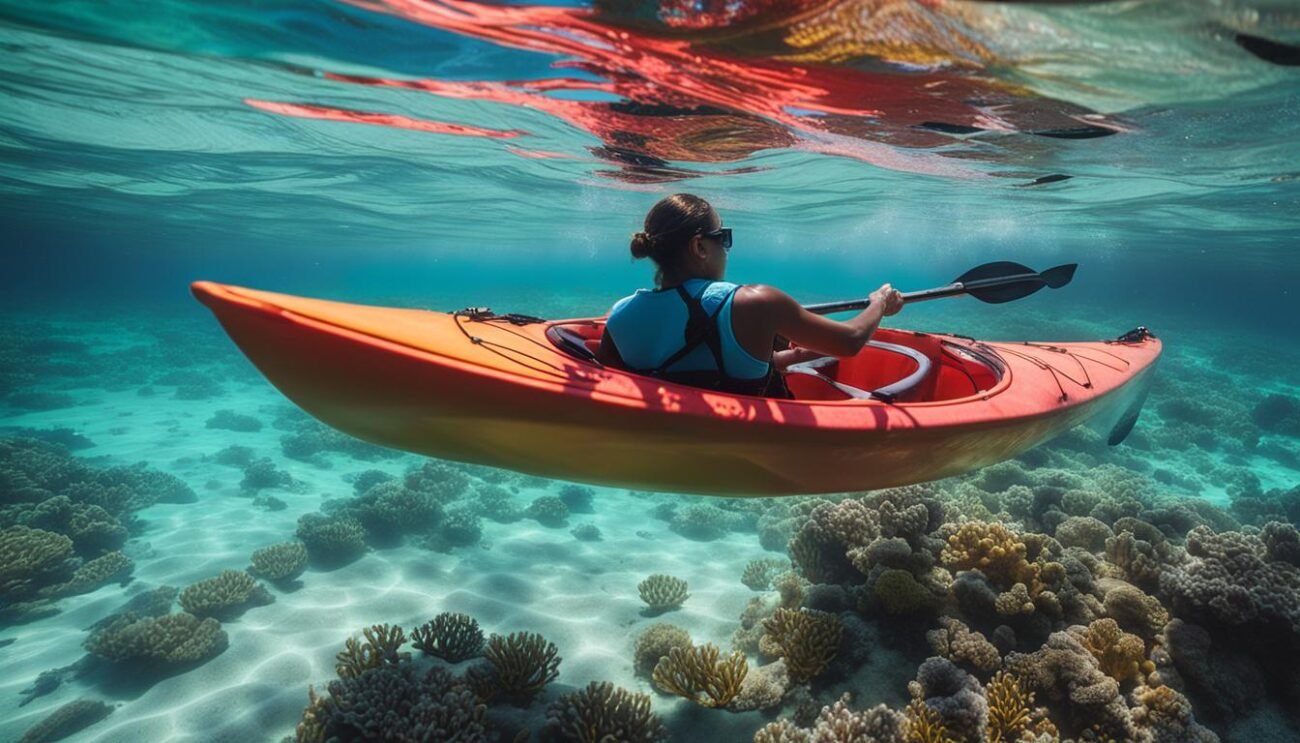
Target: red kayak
[(527, 394)]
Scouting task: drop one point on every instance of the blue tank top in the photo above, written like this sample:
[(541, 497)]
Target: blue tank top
[(650, 326)]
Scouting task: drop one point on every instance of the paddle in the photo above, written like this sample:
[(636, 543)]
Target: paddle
[(995, 283)]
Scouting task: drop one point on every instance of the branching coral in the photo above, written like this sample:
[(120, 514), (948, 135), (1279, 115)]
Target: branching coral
[(758, 574), (807, 639), (697, 674), (390, 508), (1065, 670), (603, 712), (924, 725), (381, 647), (279, 562), (95, 573), (1135, 610), (523, 664), (1010, 707), (663, 592), (224, 595), (394, 702), (838, 723), (450, 636)]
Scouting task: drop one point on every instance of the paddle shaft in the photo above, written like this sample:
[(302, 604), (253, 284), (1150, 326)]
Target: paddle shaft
[(954, 289)]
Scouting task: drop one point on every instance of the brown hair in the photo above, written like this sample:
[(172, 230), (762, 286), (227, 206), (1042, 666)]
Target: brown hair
[(669, 227)]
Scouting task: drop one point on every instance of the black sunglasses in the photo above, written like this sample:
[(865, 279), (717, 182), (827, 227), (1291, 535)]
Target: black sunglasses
[(722, 235)]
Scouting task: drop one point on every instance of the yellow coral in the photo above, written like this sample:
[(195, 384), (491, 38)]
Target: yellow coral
[(807, 640), (995, 551), (382, 642), (697, 674), (923, 725), (1122, 656), (1009, 707)]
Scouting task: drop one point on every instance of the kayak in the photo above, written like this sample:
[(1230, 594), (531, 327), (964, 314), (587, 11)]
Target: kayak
[(527, 394)]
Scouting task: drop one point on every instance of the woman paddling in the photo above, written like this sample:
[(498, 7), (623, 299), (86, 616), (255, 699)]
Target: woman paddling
[(700, 330)]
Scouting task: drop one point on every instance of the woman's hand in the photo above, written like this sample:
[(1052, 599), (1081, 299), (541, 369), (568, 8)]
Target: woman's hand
[(889, 299)]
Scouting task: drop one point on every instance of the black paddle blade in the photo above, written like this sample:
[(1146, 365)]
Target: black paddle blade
[(1057, 277), (994, 270), (1020, 280)]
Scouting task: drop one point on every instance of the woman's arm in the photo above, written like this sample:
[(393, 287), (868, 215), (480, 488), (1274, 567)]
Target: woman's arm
[(819, 334)]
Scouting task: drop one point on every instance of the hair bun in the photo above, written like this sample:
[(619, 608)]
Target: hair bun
[(641, 246)]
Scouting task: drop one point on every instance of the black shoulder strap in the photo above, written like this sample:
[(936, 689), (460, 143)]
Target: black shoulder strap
[(701, 327)]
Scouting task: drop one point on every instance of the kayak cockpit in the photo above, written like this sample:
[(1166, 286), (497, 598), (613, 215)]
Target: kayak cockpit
[(896, 366)]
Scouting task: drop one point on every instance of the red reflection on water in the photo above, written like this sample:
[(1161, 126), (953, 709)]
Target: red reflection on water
[(703, 82), (393, 120)]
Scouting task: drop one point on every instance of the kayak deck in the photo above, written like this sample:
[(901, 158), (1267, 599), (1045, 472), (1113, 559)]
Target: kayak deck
[(499, 392)]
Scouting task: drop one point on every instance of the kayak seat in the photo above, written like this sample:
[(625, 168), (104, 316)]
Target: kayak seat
[(907, 369)]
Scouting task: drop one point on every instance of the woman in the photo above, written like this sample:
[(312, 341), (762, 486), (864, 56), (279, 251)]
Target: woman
[(699, 330)]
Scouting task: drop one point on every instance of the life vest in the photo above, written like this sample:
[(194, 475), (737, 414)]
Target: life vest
[(701, 360)]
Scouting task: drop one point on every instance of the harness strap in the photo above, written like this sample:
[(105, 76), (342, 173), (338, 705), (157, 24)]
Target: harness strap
[(701, 327)]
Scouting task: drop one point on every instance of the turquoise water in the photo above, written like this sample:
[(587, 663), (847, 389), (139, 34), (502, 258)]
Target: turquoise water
[(443, 155)]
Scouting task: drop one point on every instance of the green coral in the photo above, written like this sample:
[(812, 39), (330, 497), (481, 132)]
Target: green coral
[(452, 637), (656, 642), (758, 574), (225, 595), (604, 712), (169, 639), (548, 510), (900, 593), (663, 592), (697, 674), (807, 639), (279, 562)]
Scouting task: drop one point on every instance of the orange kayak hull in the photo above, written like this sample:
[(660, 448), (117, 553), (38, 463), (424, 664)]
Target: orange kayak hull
[(504, 395)]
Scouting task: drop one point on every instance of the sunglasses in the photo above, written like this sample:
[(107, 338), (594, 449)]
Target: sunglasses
[(722, 235)]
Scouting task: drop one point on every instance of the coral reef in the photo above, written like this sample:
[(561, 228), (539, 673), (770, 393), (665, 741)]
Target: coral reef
[(655, 643), (758, 574), (548, 510), (279, 562), (522, 664), (394, 702), (381, 647), (586, 533), (224, 596), (663, 592), (603, 712), (231, 421), (806, 639), (332, 540), (954, 695), (67, 720), (32, 559), (578, 498), (697, 673), (956, 642), (837, 722), (450, 636), (172, 639)]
